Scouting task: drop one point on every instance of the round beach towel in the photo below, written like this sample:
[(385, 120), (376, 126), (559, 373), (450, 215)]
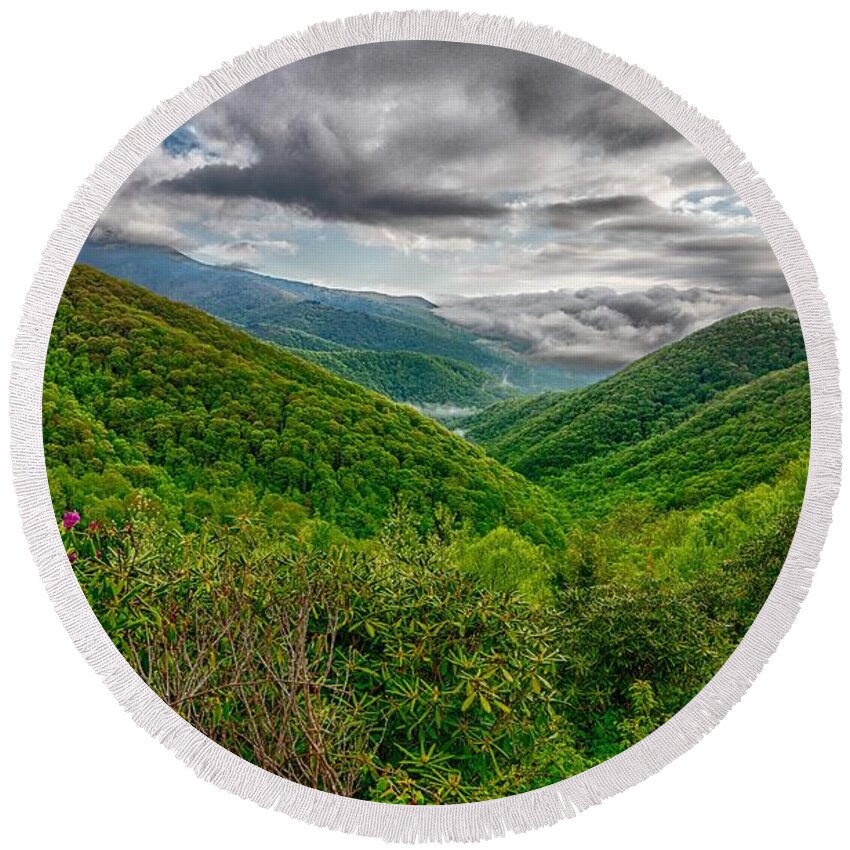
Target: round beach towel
[(435, 423)]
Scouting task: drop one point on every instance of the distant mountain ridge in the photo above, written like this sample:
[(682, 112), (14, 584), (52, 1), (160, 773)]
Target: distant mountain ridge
[(419, 379), (170, 273), (299, 315)]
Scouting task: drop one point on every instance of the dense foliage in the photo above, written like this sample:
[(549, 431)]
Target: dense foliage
[(345, 593), (408, 376), (735, 441), (544, 436), (142, 392), (389, 674), (392, 671)]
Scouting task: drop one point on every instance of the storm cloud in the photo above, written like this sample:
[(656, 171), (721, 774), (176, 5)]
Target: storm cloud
[(463, 173), (305, 186), (374, 133), (586, 212)]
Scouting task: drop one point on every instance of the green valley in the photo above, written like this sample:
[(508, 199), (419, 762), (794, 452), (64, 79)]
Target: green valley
[(373, 605), (546, 436), (141, 391)]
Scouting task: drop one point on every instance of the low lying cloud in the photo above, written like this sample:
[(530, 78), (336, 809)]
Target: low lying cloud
[(247, 255), (597, 325)]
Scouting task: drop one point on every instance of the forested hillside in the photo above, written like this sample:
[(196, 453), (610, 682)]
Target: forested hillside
[(545, 436), (141, 391), (408, 376), (739, 439), (268, 306), (373, 605)]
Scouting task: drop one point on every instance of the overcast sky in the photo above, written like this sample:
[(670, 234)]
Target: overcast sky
[(527, 199)]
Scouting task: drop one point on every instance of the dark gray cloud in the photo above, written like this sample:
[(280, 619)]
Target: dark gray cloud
[(430, 168), (581, 107), (695, 172), (728, 246), (741, 263), (300, 180), (655, 224), (584, 212), (376, 133)]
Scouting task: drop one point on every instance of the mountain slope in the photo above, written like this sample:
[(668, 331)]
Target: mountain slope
[(144, 393), (225, 293), (546, 436), (303, 315), (408, 376), (356, 329), (264, 304), (174, 275), (738, 440)]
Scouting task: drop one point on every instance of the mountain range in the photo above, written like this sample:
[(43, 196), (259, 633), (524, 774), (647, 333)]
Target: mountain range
[(165, 394), (434, 362), (141, 391), (668, 421)]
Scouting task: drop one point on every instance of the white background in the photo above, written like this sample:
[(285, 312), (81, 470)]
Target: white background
[(76, 771)]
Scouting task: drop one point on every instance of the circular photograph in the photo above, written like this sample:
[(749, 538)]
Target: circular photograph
[(426, 422)]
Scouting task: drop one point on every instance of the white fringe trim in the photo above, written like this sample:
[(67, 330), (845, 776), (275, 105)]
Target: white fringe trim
[(470, 821)]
